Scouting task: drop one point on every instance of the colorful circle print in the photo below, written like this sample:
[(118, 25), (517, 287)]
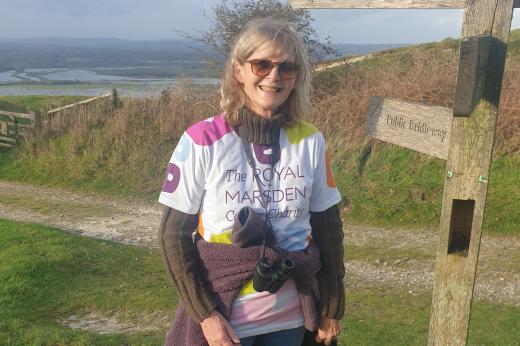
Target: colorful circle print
[(207, 132), (182, 152), (263, 153), (173, 177)]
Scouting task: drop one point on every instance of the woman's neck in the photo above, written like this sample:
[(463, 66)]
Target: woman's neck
[(259, 129)]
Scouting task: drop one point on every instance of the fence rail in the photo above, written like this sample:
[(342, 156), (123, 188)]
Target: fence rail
[(110, 94)]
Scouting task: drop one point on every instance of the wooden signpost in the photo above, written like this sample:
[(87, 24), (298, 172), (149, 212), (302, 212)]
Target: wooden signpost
[(414, 126), (485, 34)]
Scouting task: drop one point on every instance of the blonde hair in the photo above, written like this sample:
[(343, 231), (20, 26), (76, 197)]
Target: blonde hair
[(285, 40)]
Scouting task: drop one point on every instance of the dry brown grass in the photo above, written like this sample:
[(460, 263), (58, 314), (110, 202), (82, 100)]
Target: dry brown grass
[(133, 143), (508, 126), (342, 96), (130, 144)]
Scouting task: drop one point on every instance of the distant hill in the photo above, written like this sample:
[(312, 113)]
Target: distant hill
[(21, 54), (345, 49), (166, 57)]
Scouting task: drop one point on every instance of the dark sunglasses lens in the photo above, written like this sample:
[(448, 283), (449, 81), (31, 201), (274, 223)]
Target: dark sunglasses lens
[(261, 67), (288, 70)]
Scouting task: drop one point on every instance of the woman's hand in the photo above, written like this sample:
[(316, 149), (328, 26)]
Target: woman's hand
[(328, 329), (217, 331)]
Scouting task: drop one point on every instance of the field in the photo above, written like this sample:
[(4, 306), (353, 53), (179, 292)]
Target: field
[(50, 279), (47, 277), (124, 151)]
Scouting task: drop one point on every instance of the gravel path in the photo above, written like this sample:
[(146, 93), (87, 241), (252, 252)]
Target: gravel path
[(133, 222)]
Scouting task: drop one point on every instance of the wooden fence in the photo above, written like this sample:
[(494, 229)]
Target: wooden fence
[(14, 127), (112, 94), (60, 120)]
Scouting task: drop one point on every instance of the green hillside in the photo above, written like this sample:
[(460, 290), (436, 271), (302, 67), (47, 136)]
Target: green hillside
[(125, 151)]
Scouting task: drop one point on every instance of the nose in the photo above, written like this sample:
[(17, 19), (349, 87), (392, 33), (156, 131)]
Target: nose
[(273, 74)]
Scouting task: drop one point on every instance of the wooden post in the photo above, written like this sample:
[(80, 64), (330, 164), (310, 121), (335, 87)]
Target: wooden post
[(473, 62), (379, 3), (484, 38), (466, 181), (16, 138)]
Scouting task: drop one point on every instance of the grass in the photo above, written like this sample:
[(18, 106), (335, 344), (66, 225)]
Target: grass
[(73, 210), (381, 317), (125, 151), (46, 275), (35, 103), (51, 170), (383, 188), (394, 187)]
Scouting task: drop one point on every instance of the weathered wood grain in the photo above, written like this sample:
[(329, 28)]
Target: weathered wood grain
[(11, 130), (18, 115), (468, 164), (4, 129), (25, 126), (419, 127), (80, 103), (8, 139), (22, 134), (378, 3), (471, 77)]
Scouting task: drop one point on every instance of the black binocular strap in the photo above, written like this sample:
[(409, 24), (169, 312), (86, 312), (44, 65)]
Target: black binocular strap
[(252, 163)]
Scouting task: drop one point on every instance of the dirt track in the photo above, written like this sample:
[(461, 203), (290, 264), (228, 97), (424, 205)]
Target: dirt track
[(397, 259)]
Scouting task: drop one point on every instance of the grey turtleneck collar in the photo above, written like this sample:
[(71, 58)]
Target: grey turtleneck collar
[(258, 129)]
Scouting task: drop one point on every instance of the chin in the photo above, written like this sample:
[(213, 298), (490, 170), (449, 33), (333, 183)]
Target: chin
[(272, 106)]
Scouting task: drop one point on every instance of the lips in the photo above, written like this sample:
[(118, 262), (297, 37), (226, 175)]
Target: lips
[(269, 89)]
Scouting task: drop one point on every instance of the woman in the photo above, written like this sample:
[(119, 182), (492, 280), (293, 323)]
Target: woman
[(258, 155)]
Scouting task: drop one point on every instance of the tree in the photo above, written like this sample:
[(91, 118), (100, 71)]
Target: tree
[(230, 16)]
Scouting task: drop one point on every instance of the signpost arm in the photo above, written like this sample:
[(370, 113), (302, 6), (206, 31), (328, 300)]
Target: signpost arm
[(378, 3), (466, 181)]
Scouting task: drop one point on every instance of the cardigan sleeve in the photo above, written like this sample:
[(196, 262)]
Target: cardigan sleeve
[(327, 233), (182, 262)]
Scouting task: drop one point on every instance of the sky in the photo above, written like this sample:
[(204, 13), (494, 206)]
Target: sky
[(162, 19)]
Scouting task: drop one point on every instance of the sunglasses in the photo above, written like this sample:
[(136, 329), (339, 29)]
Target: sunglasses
[(262, 68)]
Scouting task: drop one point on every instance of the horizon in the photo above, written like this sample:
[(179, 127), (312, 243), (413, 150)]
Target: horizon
[(174, 39), (160, 20)]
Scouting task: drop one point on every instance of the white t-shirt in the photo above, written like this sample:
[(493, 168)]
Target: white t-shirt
[(209, 174)]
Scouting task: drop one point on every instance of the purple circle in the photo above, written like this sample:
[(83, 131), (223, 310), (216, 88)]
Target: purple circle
[(172, 179), (263, 153)]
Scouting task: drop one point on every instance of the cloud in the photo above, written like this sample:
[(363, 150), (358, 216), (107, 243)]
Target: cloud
[(152, 19), (157, 19), (388, 26), (82, 8)]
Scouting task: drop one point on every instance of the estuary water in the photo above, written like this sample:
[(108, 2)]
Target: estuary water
[(91, 82)]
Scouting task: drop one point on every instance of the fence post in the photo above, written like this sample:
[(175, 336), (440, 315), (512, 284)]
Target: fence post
[(37, 119), (16, 131)]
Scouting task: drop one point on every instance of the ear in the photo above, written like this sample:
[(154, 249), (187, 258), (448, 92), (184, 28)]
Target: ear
[(238, 72)]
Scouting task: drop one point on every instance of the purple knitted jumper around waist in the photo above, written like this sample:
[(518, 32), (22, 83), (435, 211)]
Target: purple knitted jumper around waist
[(226, 268)]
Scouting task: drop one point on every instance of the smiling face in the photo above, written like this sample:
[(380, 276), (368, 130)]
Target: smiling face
[(265, 94)]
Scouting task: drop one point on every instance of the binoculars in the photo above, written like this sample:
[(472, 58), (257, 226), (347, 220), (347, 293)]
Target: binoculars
[(269, 276)]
